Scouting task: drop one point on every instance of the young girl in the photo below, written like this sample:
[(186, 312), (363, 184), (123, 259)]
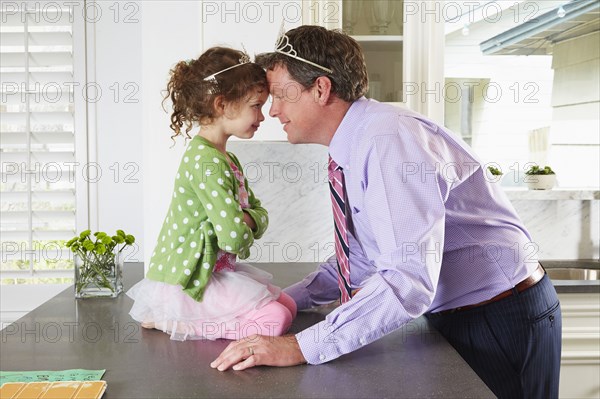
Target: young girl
[(195, 288)]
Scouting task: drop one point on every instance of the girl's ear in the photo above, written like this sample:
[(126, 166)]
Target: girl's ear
[(219, 105)]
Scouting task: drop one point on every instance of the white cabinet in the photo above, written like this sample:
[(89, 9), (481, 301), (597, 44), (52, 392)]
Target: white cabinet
[(580, 362), (403, 42), (378, 26)]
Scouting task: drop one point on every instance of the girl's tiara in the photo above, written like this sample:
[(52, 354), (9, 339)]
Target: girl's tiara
[(244, 59), (283, 46)]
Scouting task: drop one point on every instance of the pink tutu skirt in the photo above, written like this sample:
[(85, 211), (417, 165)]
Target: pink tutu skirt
[(231, 298)]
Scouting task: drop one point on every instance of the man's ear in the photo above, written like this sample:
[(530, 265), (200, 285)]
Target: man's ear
[(322, 90)]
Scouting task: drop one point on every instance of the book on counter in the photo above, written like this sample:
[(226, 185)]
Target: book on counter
[(53, 390)]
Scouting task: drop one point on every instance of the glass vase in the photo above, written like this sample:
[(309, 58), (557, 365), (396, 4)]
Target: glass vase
[(98, 275)]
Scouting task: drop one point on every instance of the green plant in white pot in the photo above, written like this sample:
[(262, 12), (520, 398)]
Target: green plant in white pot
[(493, 174), (540, 178)]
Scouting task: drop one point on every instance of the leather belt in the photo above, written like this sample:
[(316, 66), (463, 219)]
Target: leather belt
[(529, 282)]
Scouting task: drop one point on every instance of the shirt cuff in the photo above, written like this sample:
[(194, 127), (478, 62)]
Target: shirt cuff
[(318, 343), (326, 341), (300, 295)]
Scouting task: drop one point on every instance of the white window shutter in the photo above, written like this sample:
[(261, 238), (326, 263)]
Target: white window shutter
[(42, 138)]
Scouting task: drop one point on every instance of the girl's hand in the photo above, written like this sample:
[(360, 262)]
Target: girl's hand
[(249, 221)]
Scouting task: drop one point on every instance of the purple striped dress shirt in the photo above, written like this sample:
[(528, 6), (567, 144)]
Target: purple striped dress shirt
[(430, 232)]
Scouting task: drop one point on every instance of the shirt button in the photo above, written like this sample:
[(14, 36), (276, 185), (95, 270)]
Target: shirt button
[(363, 341), (321, 357)]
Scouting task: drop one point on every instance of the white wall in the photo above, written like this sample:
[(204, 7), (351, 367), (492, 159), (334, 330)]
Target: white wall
[(171, 32), (576, 111), (116, 122)]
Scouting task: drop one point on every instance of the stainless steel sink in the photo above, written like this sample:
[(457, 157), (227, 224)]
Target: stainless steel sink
[(567, 273)]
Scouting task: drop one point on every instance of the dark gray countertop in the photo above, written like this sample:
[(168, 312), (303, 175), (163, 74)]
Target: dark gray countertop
[(64, 333)]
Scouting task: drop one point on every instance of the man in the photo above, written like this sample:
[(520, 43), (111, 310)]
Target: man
[(419, 230)]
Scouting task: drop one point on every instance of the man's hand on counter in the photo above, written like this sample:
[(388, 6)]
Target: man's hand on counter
[(260, 350)]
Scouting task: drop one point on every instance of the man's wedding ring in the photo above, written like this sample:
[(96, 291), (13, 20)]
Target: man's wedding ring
[(251, 350)]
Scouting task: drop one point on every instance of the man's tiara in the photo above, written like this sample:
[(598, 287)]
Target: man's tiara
[(244, 59), (283, 46)]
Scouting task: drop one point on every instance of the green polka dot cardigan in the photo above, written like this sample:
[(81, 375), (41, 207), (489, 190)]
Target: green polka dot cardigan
[(204, 215)]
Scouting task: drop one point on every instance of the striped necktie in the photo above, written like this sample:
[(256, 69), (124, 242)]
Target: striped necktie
[(342, 251)]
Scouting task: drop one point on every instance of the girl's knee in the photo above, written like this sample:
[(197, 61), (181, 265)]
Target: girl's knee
[(275, 318)]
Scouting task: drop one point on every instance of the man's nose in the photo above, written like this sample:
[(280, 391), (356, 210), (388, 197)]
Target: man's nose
[(273, 110)]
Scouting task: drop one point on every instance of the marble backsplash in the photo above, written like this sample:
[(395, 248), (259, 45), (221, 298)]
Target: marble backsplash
[(291, 182)]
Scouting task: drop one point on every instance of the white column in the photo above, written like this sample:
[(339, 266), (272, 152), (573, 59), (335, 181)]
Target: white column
[(423, 55)]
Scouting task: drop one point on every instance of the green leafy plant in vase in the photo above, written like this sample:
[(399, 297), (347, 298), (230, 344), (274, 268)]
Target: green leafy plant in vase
[(540, 178), (99, 263)]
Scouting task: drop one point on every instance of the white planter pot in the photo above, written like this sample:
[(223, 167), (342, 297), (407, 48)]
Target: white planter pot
[(540, 182), (493, 178)]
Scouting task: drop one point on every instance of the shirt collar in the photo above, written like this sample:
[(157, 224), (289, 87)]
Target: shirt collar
[(341, 143)]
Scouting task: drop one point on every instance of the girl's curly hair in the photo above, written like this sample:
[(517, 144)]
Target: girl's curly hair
[(193, 98)]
